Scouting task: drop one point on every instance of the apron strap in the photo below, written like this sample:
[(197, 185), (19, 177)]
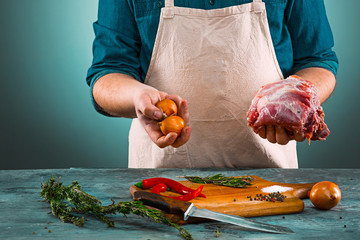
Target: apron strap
[(258, 6), (169, 3), (169, 9)]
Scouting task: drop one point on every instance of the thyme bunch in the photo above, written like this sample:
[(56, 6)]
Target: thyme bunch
[(65, 201), (222, 180)]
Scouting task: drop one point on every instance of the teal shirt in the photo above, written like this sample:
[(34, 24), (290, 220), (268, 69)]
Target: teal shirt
[(125, 33)]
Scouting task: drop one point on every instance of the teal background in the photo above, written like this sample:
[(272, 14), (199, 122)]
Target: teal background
[(47, 120)]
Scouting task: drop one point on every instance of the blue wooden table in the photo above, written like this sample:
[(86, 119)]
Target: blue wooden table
[(24, 215)]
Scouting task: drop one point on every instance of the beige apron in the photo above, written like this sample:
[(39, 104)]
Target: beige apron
[(216, 60)]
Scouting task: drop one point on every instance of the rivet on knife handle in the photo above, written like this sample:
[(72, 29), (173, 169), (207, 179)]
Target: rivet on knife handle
[(168, 205)]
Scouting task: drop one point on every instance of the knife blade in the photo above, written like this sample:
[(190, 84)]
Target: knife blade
[(188, 209)]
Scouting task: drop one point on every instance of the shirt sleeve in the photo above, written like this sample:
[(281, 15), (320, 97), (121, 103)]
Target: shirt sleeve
[(116, 45), (311, 35)]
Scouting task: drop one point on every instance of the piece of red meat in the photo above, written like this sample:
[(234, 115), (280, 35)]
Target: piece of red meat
[(292, 103)]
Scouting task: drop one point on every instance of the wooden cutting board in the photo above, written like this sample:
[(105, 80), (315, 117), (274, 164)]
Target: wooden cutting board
[(236, 201)]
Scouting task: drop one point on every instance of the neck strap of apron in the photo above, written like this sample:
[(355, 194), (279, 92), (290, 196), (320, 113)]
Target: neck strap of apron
[(170, 3)]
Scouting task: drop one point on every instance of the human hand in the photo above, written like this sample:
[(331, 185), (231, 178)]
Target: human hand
[(149, 116), (183, 112), (278, 134)]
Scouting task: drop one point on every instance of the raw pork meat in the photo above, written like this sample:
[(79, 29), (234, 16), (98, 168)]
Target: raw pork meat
[(292, 103)]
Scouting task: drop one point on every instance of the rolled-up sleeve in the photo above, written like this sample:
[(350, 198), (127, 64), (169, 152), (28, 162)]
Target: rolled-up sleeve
[(117, 42), (311, 35)]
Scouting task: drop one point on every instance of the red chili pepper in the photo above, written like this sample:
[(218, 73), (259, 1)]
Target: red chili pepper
[(174, 185), (161, 187), (189, 196)]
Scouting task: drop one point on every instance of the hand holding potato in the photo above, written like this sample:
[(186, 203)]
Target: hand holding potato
[(149, 116)]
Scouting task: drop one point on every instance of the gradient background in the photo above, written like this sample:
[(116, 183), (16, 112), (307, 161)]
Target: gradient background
[(47, 120)]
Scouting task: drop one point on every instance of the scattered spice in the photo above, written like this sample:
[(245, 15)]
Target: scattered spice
[(33, 232), (344, 226), (271, 197), (283, 217), (45, 228), (340, 217), (234, 199), (49, 231)]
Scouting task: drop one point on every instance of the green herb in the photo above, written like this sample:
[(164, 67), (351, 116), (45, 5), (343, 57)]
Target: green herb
[(65, 201), (217, 233), (220, 179)]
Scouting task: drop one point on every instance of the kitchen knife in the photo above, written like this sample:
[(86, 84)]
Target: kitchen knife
[(187, 209)]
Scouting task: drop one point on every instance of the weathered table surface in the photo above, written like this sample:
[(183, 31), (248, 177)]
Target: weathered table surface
[(25, 216)]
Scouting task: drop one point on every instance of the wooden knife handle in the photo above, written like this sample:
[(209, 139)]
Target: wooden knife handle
[(166, 204)]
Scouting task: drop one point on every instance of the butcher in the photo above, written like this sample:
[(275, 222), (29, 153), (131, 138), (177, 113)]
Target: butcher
[(248, 77)]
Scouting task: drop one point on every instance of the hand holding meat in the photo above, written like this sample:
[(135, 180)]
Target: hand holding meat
[(291, 105)]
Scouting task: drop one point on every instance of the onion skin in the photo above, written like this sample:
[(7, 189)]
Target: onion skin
[(167, 107), (172, 124), (325, 195)]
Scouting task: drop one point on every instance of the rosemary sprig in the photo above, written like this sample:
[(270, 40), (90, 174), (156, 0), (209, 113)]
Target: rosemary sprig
[(222, 180), (65, 201)]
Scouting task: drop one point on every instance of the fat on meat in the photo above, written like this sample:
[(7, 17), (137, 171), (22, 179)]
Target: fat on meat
[(292, 103)]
